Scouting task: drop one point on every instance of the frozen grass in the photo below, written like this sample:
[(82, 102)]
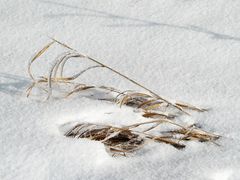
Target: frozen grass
[(126, 139)]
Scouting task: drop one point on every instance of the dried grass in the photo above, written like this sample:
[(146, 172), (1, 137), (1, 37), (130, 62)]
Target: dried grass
[(125, 139), (150, 100)]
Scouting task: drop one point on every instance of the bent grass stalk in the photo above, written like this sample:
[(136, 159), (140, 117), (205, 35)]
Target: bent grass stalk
[(52, 76)]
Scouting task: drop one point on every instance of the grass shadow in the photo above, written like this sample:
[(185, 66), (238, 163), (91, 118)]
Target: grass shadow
[(12, 84), (132, 22)]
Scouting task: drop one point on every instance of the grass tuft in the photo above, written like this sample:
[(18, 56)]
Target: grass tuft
[(127, 139)]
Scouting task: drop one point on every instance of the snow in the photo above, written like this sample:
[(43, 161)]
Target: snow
[(183, 49)]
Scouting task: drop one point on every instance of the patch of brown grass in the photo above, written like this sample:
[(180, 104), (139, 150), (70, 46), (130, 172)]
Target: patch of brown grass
[(127, 139)]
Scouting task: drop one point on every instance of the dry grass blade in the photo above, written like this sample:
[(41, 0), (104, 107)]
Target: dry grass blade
[(81, 87), (158, 115), (133, 98), (169, 141), (163, 120), (198, 134), (153, 106), (39, 53), (147, 102), (189, 106), (63, 44)]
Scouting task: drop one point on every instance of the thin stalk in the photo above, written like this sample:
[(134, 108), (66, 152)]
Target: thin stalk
[(122, 75)]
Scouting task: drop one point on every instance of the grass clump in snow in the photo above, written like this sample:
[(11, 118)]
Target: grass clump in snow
[(127, 139), (119, 140)]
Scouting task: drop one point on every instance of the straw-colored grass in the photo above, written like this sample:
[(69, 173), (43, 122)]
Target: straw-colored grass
[(55, 75), (125, 139)]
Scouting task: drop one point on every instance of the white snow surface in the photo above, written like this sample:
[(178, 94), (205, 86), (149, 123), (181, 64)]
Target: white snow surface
[(185, 50)]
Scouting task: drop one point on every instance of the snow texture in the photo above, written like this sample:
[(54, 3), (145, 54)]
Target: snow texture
[(186, 50)]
